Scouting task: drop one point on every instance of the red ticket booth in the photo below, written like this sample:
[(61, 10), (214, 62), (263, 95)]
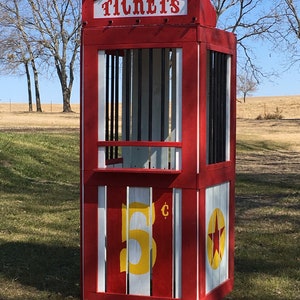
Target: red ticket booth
[(157, 151)]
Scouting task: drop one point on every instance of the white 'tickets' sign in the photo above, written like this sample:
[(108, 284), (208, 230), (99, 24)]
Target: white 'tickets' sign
[(139, 8)]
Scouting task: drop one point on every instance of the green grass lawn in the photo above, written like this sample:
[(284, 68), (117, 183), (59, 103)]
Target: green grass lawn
[(39, 223)]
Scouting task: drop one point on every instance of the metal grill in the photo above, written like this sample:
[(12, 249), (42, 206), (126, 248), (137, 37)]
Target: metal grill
[(218, 107), (142, 104)]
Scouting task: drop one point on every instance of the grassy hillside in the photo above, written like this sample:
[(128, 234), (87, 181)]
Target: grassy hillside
[(287, 106)]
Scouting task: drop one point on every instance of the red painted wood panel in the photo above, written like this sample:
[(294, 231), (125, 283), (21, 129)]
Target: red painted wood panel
[(89, 237), (90, 107), (116, 279), (162, 235), (190, 244)]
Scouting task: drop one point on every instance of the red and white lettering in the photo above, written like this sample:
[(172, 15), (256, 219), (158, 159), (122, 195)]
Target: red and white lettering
[(151, 7), (136, 8)]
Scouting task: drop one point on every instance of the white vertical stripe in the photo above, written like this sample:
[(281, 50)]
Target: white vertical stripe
[(127, 239), (198, 108), (228, 97), (178, 105), (151, 219), (101, 281), (177, 242), (101, 106), (139, 284), (198, 248), (82, 164)]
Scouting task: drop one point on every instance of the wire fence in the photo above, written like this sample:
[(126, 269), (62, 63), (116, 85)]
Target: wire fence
[(13, 107)]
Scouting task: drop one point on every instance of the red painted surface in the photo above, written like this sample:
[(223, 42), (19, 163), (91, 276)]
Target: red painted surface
[(162, 234), (195, 34), (198, 12), (116, 280)]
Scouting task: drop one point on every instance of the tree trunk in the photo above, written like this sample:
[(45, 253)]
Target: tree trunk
[(36, 86), (28, 87), (66, 90), (66, 100)]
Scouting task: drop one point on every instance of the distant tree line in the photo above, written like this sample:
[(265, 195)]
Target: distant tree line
[(43, 36), (40, 36)]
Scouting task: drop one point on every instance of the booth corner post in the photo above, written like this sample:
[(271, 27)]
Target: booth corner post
[(158, 90)]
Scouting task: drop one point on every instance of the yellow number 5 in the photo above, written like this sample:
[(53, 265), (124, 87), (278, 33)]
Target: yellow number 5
[(140, 236)]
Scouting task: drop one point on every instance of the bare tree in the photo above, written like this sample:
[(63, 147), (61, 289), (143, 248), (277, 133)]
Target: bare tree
[(16, 46), (249, 20), (13, 55), (57, 29), (246, 84), (287, 36)]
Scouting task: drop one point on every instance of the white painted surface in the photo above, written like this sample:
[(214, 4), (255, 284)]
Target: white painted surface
[(101, 106), (228, 98), (102, 216), (177, 242), (139, 221), (217, 197)]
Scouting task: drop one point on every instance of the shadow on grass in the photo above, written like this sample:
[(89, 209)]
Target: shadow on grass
[(46, 268), (267, 230)]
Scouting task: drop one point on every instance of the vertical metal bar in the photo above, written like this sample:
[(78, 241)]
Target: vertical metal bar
[(174, 96), (112, 109), (223, 107), (218, 104), (150, 94), (211, 105), (211, 108), (220, 112), (127, 100), (162, 111), (225, 104), (107, 105), (139, 102), (116, 103)]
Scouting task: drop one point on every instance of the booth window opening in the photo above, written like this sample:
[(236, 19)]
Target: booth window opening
[(218, 107), (140, 102)]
